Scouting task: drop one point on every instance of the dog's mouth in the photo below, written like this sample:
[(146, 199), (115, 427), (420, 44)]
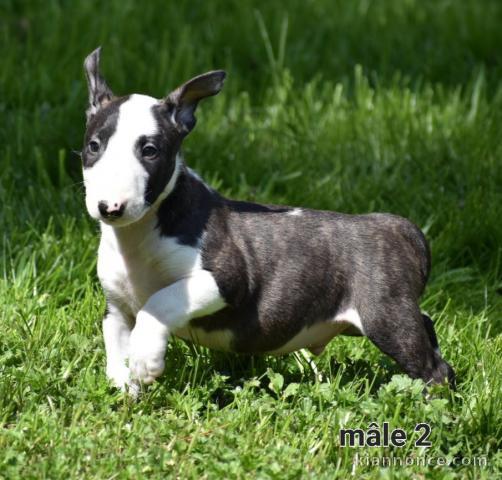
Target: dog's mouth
[(116, 222)]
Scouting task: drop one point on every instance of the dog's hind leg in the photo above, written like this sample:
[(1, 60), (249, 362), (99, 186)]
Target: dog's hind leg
[(408, 337), (429, 326), (444, 367)]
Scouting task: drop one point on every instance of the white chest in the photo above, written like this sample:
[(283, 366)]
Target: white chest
[(133, 264)]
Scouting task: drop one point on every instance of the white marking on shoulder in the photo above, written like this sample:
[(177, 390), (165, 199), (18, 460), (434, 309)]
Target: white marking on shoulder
[(295, 212)]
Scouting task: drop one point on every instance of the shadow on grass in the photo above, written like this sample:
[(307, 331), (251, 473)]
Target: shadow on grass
[(219, 374)]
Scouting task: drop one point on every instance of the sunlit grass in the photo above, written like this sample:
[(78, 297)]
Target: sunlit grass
[(351, 106)]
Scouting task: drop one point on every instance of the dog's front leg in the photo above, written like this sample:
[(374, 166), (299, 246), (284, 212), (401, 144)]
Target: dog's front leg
[(166, 311), (116, 333)]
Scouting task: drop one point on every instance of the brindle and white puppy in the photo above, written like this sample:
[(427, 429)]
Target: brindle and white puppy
[(177, 258)]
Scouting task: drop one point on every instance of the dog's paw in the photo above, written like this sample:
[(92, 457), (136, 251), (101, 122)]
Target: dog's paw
[(147, 347), (146, 363), (120, 377)]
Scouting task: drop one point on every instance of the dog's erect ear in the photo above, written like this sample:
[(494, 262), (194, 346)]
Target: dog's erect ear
[(99, 92), (182, 102)]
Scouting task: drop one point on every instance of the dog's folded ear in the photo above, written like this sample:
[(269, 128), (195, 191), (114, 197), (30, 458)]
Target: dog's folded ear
[(99, 92), (182, 102)]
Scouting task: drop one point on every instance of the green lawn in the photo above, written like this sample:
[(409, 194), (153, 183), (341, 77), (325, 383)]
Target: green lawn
[(354, 106)]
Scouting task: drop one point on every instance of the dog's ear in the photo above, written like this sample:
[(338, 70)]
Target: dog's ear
[(99, 92), (182, 102)]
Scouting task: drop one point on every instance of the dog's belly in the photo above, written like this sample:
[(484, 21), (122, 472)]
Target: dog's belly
[(314, 337), (215, 339)]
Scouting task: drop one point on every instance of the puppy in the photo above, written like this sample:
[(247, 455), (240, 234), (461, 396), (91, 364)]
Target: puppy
[(177, 258)]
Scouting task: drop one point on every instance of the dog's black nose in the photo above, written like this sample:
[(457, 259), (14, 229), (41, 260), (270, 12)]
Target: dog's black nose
[(114, 211)]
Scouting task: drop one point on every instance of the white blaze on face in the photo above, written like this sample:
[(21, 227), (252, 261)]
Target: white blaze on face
[(118, 176)]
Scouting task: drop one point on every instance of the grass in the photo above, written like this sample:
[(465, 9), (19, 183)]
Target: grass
[(352, 106)]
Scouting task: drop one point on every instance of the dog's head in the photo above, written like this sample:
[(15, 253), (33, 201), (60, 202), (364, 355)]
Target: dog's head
[(131, 144)]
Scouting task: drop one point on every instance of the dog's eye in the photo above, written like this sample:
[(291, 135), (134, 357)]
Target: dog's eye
[(149, 151), (93, 146)]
